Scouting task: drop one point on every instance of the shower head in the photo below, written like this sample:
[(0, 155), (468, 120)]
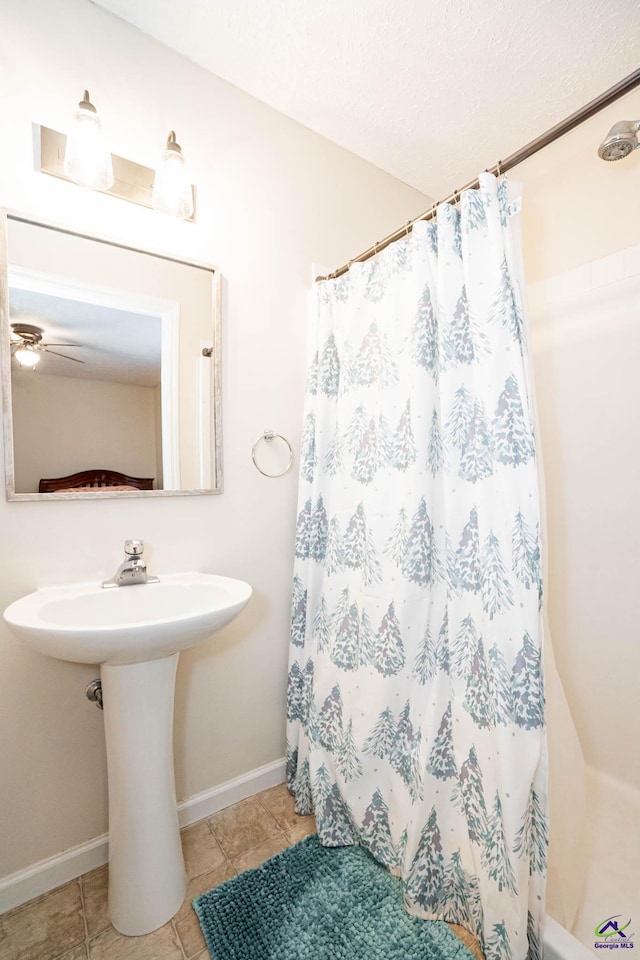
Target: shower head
[(621, 140)]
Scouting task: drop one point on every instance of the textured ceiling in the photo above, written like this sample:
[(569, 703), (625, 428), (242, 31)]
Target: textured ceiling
[(432, 91)]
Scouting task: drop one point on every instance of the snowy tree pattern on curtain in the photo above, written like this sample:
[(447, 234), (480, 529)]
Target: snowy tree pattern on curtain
[(415, 694)]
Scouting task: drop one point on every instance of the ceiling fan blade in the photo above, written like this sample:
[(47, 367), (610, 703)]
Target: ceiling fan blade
[(60, 345), (56, 354)]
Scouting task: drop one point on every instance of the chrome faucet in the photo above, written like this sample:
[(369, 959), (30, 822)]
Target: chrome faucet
[(133, 569)]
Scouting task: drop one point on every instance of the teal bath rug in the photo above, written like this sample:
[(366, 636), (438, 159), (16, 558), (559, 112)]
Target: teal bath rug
[(317, 903)]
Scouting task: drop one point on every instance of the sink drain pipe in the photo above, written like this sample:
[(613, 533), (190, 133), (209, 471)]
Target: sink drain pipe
[(94, 692)]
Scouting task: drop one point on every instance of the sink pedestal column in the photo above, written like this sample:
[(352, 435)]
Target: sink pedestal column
[(147, 881)]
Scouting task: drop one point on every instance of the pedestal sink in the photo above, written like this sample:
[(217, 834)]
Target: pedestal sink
[(136, 634)]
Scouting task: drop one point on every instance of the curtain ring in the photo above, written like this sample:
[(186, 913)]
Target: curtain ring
[(498, 168), (407, 228), (375, 247)]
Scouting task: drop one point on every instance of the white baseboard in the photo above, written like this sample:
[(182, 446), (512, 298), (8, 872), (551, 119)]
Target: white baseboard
[(41, 877), (210, 801), (18, 888)]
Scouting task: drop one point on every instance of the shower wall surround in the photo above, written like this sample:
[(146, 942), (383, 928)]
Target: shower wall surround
[(585, 341), (580, 221), (272, 199)]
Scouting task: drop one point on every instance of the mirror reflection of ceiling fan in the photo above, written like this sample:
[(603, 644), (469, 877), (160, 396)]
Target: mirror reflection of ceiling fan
[(27, 345)]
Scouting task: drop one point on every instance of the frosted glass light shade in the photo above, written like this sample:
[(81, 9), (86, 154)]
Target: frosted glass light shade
[(87, 158), (172, 191), (27, 356)]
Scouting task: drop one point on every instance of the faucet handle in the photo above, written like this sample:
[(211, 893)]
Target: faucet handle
[(134, 548)]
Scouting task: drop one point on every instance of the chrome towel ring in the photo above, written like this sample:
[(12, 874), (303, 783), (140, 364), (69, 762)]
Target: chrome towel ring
[(268, 436)]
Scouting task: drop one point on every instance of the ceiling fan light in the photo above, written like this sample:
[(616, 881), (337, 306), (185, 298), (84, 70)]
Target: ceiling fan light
[(87, 158), (172, 193), (26, 355)]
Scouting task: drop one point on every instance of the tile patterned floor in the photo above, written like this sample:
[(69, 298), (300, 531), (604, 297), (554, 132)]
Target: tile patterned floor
[(72, 923)]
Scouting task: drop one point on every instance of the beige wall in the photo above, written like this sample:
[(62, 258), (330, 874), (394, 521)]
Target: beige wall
[(65, 424), (577, 207), (273, 198), (581, 221)]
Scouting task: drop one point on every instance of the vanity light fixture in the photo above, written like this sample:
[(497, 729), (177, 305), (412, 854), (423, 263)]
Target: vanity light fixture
[(87, 159), (83, 157), (172, 192)]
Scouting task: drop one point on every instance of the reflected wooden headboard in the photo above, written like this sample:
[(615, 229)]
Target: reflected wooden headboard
[(96, 479)]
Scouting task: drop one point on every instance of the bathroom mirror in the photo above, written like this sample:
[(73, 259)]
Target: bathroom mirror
[(110, 367)]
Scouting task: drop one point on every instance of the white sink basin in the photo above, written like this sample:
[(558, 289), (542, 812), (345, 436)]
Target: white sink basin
[(136, 634), (87, 624)]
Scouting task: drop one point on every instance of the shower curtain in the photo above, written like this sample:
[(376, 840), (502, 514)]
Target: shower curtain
[(415, 690)]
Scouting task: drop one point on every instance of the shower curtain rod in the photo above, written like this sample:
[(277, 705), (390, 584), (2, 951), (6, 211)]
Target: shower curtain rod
[(591, 108)]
